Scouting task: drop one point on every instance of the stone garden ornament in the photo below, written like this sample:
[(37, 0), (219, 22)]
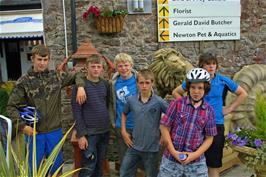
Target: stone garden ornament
[(169, 67)]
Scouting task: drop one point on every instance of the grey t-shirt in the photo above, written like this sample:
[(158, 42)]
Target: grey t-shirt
[(146, 117)]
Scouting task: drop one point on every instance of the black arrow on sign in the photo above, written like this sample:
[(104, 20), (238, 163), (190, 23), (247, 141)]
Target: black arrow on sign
[(164, 21), (164, 2), (162, 35), (164, 9)]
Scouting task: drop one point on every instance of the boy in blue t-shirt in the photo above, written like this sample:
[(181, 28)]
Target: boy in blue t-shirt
[(144, 143), (123, 85), (215, 97)]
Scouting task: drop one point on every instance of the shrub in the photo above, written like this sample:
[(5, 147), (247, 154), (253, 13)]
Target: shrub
[(3, 101)]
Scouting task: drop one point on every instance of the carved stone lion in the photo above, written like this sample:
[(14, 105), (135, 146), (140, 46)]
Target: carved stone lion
[(169, 67)]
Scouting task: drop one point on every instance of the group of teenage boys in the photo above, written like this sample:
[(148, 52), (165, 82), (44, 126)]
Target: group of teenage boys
[(191, 128)]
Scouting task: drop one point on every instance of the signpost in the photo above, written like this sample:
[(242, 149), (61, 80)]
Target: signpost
[(197, 20)]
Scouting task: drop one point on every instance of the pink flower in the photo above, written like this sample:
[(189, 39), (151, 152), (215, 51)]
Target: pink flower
[(92, 11)]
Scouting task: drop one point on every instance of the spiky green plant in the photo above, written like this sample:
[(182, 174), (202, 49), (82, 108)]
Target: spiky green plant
[(260, 113), (18, 163)]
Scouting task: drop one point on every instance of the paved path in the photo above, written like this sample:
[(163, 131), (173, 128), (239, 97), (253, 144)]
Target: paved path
[(236, 171)]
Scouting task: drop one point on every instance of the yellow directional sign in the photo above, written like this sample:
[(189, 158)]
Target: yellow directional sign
[(164, 11), (164, 35), (162, 1), (163, 23)]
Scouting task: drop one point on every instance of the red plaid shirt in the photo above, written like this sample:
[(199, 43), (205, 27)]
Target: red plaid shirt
[(188, 125)]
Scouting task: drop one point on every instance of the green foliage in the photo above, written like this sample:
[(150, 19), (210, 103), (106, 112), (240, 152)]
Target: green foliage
[(259, 157), (106, 12), (3, 101), (120, 12), (18, 165), (260, 112), (252, 138), (8, 86), (255, 161), (5, 90)]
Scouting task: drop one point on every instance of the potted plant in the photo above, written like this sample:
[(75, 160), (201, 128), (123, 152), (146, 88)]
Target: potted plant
[(251, 143), (105, 20)]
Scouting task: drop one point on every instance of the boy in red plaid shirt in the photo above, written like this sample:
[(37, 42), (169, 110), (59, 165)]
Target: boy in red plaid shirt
[(188, 128)]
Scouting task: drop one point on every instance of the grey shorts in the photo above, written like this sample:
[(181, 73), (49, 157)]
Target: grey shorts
[(169, 168)]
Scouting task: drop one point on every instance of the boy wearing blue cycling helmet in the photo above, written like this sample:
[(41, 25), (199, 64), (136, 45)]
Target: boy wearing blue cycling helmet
[(41, 88), (188, 128), (219, 85)]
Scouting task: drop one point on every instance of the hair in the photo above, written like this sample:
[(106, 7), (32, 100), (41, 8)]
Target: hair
[(207, 87), (122, 57), (41, 50), (207, 57), (146, 73), (94, 58)]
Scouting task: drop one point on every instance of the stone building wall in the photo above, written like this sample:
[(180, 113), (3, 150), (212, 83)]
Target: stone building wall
[(139, 38)]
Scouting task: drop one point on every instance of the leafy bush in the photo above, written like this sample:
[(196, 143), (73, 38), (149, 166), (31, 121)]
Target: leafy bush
[(8, 86), (3, 101), (260, 112)]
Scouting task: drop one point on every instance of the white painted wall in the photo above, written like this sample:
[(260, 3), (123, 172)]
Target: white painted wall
[(25, 63), (3, 64)]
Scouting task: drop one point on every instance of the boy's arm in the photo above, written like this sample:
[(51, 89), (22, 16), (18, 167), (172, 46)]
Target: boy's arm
[(178, 92), (165, 131), (80, 83), (210, 131), (15, 100), (77, 114), (74, 78), (108, 94), (191, 156), (164, 105), (111, 106), (126, 136), (241, 96)]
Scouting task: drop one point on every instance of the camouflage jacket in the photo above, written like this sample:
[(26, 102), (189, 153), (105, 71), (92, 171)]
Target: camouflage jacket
[(43, 91)]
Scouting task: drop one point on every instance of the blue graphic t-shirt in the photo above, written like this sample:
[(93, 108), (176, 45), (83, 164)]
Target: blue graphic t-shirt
[(215, 96), (124, 89)]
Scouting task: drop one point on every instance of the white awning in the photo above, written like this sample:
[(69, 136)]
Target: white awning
[(17, 24)]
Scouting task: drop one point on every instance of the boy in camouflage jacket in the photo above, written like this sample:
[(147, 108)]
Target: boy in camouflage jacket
[(41, 88)]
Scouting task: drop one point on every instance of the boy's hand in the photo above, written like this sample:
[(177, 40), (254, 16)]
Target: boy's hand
[(83, 143), (227, 110), (176, 156), (28, 130), (127, 138), (162, 142), (113, 125), (81, 96), (191, 156)]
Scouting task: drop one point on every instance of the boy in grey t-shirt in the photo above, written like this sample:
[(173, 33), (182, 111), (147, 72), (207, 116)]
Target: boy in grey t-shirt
[(144, 144)]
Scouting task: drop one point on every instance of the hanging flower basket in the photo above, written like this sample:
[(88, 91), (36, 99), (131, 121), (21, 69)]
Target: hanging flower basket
[(106, 20), (112, 24)]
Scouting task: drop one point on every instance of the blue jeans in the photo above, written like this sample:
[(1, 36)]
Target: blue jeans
[(169, 168), (92, 157), (45, 143), (133, 157)]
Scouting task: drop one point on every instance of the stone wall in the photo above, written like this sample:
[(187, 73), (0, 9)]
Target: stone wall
[(139, 37)]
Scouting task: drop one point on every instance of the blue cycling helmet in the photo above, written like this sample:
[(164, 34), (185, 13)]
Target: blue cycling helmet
[(29, 114)]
